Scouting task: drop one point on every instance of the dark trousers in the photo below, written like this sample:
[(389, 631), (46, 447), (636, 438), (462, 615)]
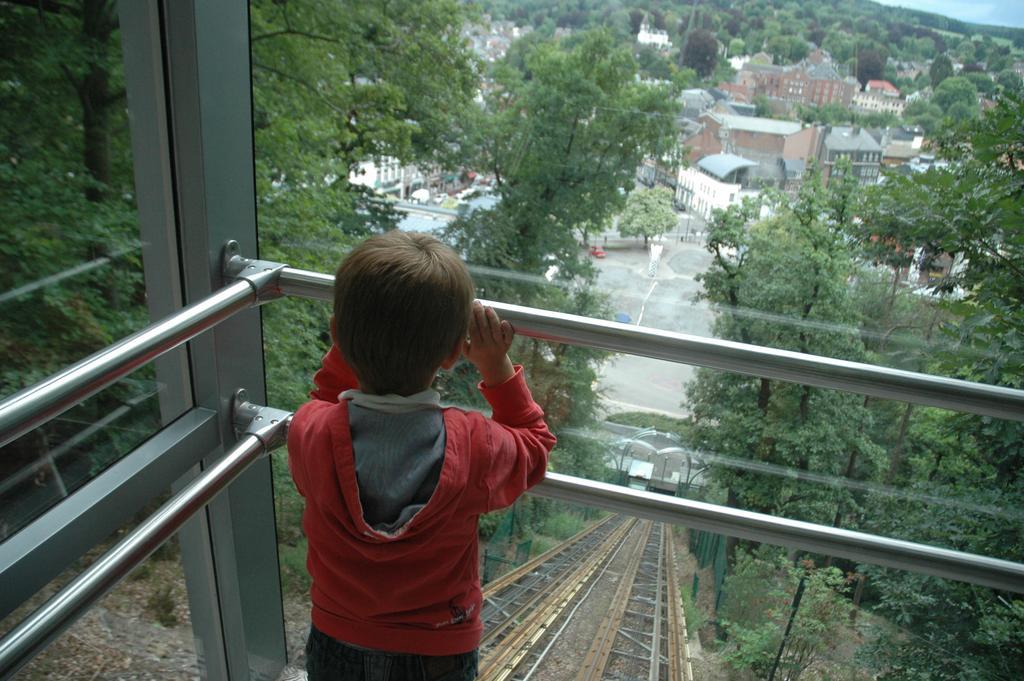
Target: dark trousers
[(331, 660)]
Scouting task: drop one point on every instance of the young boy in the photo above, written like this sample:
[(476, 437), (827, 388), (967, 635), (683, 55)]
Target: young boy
[(393, 483)]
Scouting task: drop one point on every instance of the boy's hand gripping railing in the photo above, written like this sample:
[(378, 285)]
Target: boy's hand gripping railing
[(261, 429), (257, 282)]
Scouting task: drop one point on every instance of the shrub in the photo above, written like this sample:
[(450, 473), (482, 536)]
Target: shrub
[(161, 606)]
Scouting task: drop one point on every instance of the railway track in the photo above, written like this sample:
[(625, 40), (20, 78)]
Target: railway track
[(641, 636)]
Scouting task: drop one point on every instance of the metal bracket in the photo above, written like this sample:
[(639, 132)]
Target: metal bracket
[(263, 275), (268, 424)]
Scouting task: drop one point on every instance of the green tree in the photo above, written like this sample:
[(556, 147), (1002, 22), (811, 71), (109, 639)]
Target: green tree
[(563, 146), (648, 213), (700, 53), (1009, 81), (67, 190), (972, 210), (70, 259), (925, 114), (955, 95), (653, 64), (982, 82), (757, 609), (966, 52), (562, 136), (762, 107), (334, 86), (782, 282), (940, 70), (736, 47)]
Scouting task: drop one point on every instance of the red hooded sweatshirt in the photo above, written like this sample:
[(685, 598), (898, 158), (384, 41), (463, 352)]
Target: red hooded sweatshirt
[(416, 590)]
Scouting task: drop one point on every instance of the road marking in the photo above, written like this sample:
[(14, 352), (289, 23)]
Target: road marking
[(643, 306), (608, 402)]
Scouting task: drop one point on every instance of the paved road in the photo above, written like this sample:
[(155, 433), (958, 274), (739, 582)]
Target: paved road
[(666, 302)]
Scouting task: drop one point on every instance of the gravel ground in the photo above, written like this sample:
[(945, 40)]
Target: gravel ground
[(120, 639)]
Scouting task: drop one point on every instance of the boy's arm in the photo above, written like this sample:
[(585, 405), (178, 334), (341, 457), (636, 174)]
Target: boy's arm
[(334, 377), (516, 440), (519, 441)]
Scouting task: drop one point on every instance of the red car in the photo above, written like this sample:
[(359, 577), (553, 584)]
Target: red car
[(597, 251)]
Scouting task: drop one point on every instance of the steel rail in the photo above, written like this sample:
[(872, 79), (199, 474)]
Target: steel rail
[(556, 600), (494, 586), (823, 539), (678, 648), (40, 628), (596, 659), (593, 556), (654, 666), (753, 360), (31, 407)]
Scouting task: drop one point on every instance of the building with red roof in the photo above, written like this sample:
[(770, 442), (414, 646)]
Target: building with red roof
[(882, 86)]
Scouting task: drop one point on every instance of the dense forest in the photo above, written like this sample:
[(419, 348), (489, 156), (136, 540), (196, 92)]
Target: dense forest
[(70, 258), (561, 125)]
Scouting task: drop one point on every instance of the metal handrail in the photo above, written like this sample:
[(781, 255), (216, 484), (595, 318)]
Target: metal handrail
[(822, 539), (47, 622), (31, 407), (753, 360)]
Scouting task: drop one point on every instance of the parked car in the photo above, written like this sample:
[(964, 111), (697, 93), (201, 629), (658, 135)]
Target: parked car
[(597, 252)]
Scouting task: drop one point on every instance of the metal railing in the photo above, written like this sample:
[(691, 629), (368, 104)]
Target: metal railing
[(829, 541), (31, 407), (753, 360), (47, 622)]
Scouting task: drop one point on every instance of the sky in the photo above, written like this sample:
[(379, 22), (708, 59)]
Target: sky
[(995, 12)]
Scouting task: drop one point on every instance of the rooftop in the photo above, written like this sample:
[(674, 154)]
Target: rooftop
[(768, 126), (882, 86), (845, 138), (721, 165)]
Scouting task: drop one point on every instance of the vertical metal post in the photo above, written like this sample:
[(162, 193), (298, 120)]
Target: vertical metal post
[(230, 553), (145, 86)]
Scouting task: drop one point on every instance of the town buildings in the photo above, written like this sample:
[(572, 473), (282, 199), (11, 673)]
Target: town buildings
[(876, 102), (715, 181), (854, 143), (766, 142), (807, 83), (901, 145), (879, 96)]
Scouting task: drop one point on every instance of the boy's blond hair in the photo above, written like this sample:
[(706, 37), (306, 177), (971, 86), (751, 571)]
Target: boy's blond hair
[(402, 302)]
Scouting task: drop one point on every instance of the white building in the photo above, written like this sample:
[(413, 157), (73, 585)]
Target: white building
[(387, 176), (878, 102), (652, 36), (715, 182)]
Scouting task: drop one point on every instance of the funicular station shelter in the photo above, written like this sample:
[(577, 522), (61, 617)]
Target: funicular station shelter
[(188, 81)]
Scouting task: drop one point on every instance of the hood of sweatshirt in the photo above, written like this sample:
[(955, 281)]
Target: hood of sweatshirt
[(393, 543)]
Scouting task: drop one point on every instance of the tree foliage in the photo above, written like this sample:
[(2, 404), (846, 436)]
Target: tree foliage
[(957, 98), (701, 53), (761, 592), (973, 211), (870, 66), (940, 70), (334, 86), (648, 213)]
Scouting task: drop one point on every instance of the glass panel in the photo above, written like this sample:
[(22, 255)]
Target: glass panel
[(633, 183), (141, 629), (576, 170), (70, 263)]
